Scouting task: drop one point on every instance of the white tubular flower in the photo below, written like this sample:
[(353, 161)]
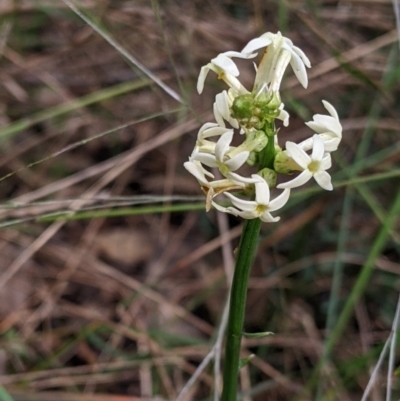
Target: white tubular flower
[(312, 166), (213, 188), (223, 162), (279, 53), (261, 207), (328, 128), (226, 70)]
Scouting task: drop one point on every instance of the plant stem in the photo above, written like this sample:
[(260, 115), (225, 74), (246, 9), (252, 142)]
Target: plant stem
[(245, 256)]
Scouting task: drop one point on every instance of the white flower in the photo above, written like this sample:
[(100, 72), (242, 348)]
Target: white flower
[(328, 128), (212, 188), (226, 70), (312, 166), (279, 53), (261, 207), (223, 162)]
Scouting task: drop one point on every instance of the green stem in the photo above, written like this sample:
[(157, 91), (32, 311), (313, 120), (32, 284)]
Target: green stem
[(245, 256), (267, 155)]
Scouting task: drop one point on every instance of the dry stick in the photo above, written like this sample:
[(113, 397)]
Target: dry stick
[(376, 370), (229, 265), (216, 350), (392, 353)]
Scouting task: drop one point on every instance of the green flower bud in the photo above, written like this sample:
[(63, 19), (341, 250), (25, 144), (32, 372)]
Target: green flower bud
[(242, 107), (284, 164), (269, 176), (255, 122), (257, 140), (254, 112)]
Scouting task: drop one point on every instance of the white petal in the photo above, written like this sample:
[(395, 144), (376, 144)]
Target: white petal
[(318, 128), (238, 179), (214, 130), (264, 73), (230, 209), (302, 55), (245, 205), (217, 116), (284, 116), (324, 180), (202, 77), (330, 144), (206, 158), (240, 54), (318, 148), (225, 64), (279, 201), (248, 215), (235, 84), (222, 103), (298, 181), (299, 69), (307, 144), (279, 69), (326, 162), (327, 123), (266, 217), (206, 126), (223, 145), (237, 161), (298, 154), (196, 171), (256, 44), (262, 191), (331, 110), (198, 165)]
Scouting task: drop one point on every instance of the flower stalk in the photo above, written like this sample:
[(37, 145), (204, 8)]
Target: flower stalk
[(245, 255)]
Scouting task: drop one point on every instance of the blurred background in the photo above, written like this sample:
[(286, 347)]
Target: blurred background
[(113, 278)]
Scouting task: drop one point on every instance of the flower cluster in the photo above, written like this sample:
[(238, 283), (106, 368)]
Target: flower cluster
[(252, 114)]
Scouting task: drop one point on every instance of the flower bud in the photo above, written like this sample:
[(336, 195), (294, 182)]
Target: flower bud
[(254, 111), (284, 164), (269, 176)]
